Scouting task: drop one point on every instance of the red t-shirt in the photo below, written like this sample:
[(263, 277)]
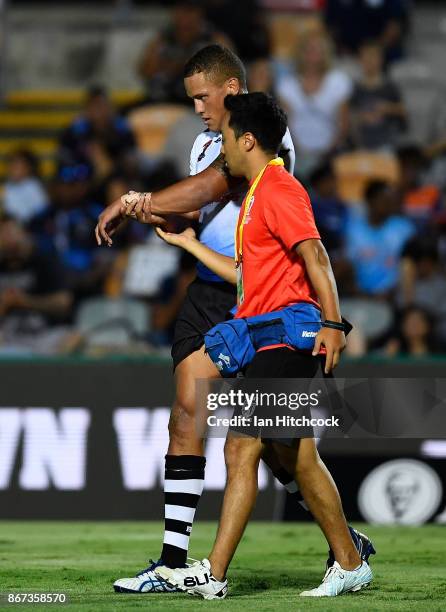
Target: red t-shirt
[(274, 276)]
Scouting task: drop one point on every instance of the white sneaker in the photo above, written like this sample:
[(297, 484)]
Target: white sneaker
[(197, 579), (337, 581), (144, 582)]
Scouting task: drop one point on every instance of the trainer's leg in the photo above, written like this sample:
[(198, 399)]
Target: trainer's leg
[(321, 495), (242, 455), (185, 463)]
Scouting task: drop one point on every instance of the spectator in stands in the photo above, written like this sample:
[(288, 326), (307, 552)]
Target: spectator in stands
[(315, 99), (419, 201), (415, 337), (99, 135), (248, 31), (329, 210), (260, 76), (24, 194), (331, 215), (375, 239), (423, 281), (124, 265), (378, 115), (171, 295), (162, 63), (354, 21), (69, 231), (33, 295)]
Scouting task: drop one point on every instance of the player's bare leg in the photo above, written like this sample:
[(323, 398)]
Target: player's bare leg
[(184, 476), (321, 495), (183, 431)]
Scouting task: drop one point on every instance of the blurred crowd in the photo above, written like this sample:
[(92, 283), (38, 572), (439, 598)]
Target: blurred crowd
[(387, 241)]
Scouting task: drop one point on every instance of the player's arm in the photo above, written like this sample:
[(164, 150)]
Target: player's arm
[(188, 195), (222, 265), (320, 273)]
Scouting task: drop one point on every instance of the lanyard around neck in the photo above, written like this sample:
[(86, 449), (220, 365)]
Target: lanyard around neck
[(246, 207)]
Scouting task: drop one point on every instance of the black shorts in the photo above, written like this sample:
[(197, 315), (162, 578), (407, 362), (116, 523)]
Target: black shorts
[(280, 363), (206, 304)]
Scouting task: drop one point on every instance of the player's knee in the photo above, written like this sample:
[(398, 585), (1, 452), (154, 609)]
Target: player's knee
[(240, 455), (182, 422)]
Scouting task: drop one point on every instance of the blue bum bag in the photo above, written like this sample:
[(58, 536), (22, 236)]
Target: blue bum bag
[(232, 344)]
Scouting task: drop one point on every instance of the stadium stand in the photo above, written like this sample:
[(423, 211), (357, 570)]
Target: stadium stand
[(74, 48)]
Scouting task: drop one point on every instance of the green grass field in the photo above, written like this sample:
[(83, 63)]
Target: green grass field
[(273, 564)]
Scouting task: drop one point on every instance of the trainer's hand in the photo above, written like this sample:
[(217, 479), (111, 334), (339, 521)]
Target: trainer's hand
[(136, 205), (180, 240), (334, 342), (108, 222)]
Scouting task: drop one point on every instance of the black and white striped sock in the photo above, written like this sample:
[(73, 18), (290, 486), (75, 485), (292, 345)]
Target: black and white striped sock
[(183, 486), (291, 486)]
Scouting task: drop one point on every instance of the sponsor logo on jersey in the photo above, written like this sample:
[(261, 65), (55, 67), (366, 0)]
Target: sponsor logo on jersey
[(248, 212), (203, 150)]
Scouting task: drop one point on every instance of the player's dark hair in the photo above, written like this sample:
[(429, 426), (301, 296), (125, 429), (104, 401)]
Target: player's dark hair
[(217, 62), (259, 114)]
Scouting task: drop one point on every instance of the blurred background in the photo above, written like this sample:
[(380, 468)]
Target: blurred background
[(92, 105)]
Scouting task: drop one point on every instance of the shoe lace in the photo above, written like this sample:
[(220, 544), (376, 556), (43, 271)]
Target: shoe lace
[(331, 571), (194, 562), (150, 568)]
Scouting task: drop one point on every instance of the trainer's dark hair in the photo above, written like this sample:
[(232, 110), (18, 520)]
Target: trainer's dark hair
[(217, 62), (259, 114)]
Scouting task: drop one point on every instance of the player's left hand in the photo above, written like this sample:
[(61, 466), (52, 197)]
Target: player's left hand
[(108, 222), (334, 342)]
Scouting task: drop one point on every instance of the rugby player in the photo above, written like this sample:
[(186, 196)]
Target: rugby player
[(210, 75), (280, 262)]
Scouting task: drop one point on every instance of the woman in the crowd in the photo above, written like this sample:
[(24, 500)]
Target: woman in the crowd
[(415, 337), (315, 98), (378, 115)]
